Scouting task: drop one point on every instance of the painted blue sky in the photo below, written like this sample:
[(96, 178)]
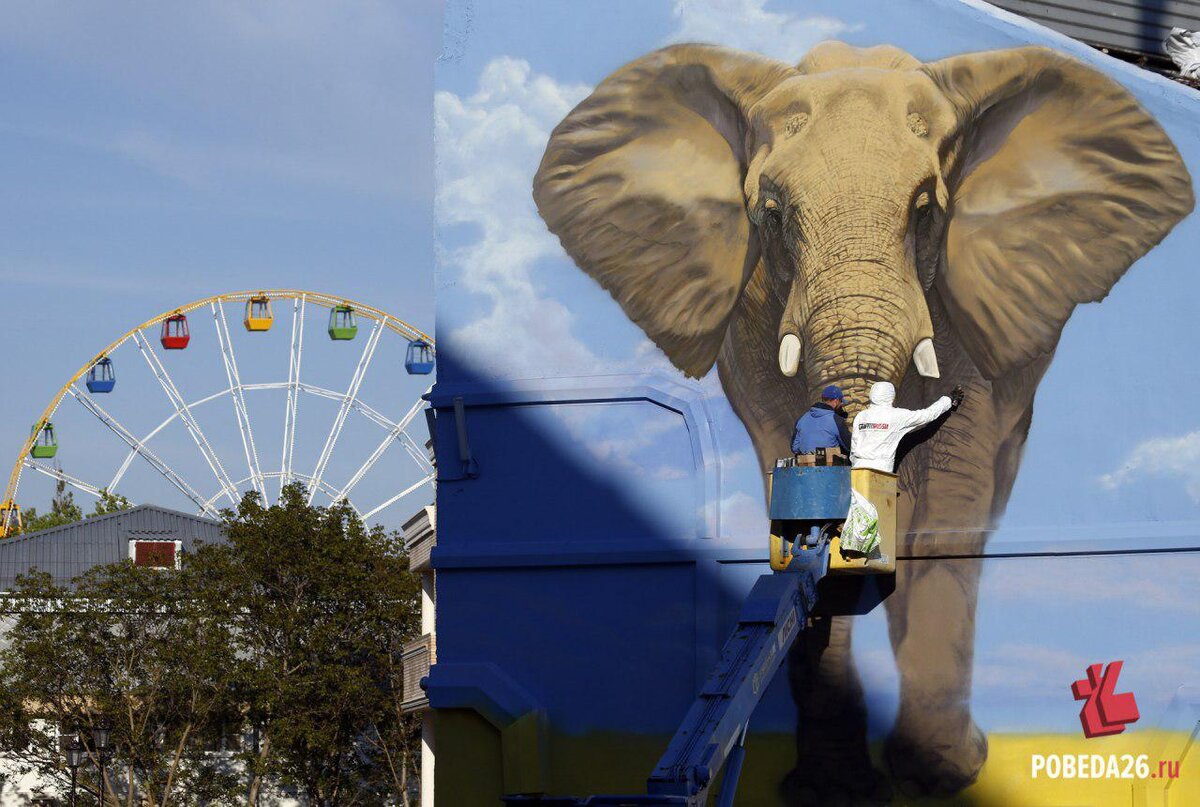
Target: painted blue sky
[(153, 155), (1100, 462), (1096, 463)]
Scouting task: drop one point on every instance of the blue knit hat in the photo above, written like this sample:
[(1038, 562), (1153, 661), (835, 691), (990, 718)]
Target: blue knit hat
[(831, 392)]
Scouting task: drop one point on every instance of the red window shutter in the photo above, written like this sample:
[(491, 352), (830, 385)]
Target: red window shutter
[(159, 554)]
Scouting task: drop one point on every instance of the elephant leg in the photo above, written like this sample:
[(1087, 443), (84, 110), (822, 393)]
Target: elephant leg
[(935, 747), (832, 763)]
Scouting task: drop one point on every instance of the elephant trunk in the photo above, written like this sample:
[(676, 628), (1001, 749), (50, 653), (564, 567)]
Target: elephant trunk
[(858, 322)]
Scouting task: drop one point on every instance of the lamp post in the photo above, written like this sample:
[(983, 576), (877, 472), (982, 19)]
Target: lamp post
[(101, 737), (75, 754)]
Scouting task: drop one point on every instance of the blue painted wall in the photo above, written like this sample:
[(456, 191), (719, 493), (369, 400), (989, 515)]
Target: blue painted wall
[(617, 517)]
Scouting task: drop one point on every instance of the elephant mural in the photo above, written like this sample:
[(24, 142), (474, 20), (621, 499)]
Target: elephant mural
[(863, 216)]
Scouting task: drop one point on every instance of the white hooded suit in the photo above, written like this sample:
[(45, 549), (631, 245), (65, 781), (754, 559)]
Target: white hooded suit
[(877, 430)]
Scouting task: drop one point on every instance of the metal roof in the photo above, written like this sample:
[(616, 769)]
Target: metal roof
[(72, 549), (1131, 26)]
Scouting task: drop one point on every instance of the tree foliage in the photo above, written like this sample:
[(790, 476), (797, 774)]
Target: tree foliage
[(64, 510), (280, 645)]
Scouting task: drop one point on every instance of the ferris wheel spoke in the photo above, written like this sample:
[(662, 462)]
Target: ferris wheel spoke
[(397, 497), (238, 397), (359, 406), (293, 392), (137, 448), (366, 467), (397, 433), (356, 380), (363, 408), (414, 451), (169, 419), (60, 475), (325, 486), (185, 414)]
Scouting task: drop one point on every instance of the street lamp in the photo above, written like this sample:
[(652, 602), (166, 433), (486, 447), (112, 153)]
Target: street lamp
[(101, 734), (75, 755), (101, 737)]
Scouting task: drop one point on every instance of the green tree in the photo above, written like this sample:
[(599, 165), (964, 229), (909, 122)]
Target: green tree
[(320, 606), (110, 503), (291, 630), (129, 646), (63, 509)]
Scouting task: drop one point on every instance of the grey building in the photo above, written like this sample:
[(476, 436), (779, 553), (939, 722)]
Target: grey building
[(147, 534), (1133, 30)]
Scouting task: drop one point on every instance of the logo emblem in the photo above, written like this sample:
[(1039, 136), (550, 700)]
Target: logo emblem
[(1104, 711)]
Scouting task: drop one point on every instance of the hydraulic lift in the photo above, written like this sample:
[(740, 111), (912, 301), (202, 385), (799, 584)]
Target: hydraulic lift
[(808, 505)]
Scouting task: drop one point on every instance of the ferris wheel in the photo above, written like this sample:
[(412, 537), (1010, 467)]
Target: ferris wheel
[(150, 423)]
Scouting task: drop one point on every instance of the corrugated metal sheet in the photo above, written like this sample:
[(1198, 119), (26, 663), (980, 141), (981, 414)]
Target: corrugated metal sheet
[(70, 550), (1138, 26)]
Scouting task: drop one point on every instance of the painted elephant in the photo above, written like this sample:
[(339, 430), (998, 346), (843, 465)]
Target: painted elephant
[(862, 216)]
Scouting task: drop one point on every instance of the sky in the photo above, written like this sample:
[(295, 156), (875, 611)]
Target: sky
[(157, 154)]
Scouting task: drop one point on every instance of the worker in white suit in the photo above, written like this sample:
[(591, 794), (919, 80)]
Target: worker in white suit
[(878, 429)]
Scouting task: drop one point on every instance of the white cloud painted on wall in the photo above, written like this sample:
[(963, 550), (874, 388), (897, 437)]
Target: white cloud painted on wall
[(1175, 458), (489, 145), (747, 24)]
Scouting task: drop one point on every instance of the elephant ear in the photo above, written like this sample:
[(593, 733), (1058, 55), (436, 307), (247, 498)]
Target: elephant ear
[(1060, 181), (642, 183)]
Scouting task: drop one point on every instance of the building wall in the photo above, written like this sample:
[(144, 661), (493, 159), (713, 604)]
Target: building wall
[(1130, 25), (610, 392), (71, 549)]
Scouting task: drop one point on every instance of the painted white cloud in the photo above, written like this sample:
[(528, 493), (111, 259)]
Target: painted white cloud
[(749, 25), (1146, 584), (1170, 457), (743, 514), (489, 145), (1023, 669)]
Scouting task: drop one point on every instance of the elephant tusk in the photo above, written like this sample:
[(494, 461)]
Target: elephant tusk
[(925, 358), (789, 354)]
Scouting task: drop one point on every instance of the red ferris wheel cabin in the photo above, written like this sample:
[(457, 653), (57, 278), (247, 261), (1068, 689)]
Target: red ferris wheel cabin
[(175, 334)]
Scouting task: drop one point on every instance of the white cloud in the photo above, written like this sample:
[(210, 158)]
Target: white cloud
[(622, 447), (1148, 583), (489, 145), (743, 514), (747, 24), (877, 669), (1172, 457), (1026, 669)]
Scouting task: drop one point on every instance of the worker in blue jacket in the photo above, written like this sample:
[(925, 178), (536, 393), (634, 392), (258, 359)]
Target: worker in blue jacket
[(822, 426)]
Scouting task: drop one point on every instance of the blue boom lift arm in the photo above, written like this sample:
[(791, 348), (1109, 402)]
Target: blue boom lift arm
[(807, 503), (712, 734)]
